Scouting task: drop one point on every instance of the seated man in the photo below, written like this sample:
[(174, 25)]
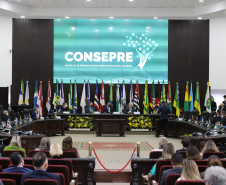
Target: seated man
[(40, 163), (108, 109), (177, 162), (5, 115), (217, 117), (129, 109), (64, 108), (35, 114), (215, 175), (90, 108), (223, 119), (18, 164), (186, 142)]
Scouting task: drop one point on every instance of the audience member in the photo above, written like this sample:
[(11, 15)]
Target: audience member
[(5, 115), (67, 145), (44, 144), (162, 142), (215, 175), (214, 160), (55, 151), (18, 164), (209, 146), (190, 171), (192, 153), (40, 163), (186, 142), (15, 144), (177, 162), (35, 114)]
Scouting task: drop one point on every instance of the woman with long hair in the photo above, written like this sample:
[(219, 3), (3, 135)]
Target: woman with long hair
[(15, 144), (55, 151), (44, 144), (209, 146), (67, 145), (192, 153)]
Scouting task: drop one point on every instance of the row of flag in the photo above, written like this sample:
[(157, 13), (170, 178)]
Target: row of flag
[(189, 102)]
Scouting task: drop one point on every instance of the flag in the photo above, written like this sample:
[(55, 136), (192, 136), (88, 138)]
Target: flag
[(88, 94), (176, 102), (197, 99), (56, 96), (191, 100), (169, 96), (152, 97), (158, 97), (61, 93), (163, 93), (21, 95), (131, 92), (136, 99), (27, 94), (145, 99), (102, 97), (186, 98), (75, 103), (111, 94), (48, 98), (83, 98), (96, 98), (123, 96), (35, 99), (207, 99), (118, 107), (70, 103), (40, 100)]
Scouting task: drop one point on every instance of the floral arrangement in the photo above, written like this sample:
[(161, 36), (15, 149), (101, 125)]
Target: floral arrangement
[(140, 122), (80, 122)]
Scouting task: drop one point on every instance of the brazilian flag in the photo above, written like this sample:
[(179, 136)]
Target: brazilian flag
[(186, 98), (197, 99), (70, 105), (176, 102), (145, 99), (163, 93)]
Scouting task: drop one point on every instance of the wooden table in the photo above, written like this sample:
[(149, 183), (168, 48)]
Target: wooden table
[(110, 126)]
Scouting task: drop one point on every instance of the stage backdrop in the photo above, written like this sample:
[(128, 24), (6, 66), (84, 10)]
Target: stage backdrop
[(110, 49)]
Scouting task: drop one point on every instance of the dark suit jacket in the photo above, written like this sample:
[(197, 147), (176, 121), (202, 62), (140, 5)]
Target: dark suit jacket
[(213, 106), (4, 117), (105, 109), (126, 111), (223, 121), (88, 109), (164, 110), (176, 170), (64, 109), (40, 174), (34, 115), (15, 169)]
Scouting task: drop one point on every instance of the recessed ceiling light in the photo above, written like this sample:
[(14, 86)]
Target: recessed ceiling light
[(148, 27), (73, 28), (66, 17), (111, 17), (201, 1), (88, 0), (199, 18), (131, 0), (155, 17), (110, 28), (22, 16)]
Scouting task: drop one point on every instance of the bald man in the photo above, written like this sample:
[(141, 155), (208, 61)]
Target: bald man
[(129, 109)]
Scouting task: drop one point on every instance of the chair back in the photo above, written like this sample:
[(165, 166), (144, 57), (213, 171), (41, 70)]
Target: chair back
[(7, 153), (163, 168), (155, 154), (8, 181), (190, 182), (5, 162), (223, 163), (201, 162), (171, 179), (0, 168), (66, 162), (202, 168), (160, 163), (69, 154), (62, 179), (15, 176), (208, 154), (40, 181), (28, 161), (60, 169), (29, 166), (183, 153), (32, 152)]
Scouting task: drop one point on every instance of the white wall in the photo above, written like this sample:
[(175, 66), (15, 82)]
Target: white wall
[(5, 54)]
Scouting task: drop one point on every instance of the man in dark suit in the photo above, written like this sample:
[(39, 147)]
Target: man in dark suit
[(177, 162), (108, 109), (217, 117), (40, 163), (163, 110), (90, 109), (5, 116), (18, 164), (35, 114), (64, 108), (129, 109), (186, 142)]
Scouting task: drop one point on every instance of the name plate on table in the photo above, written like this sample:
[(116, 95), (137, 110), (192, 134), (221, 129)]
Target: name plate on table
[(66, 112), (116, 112), (96, 112), (136, 113)]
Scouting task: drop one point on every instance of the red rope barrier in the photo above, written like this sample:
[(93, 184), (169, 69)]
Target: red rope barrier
[(149, 145), (110, 170)]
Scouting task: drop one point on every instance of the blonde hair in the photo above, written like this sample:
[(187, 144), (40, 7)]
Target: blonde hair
[(190, 171), (162, 142), (15, 141), (55, 150), (44, 143), (210, 146), (168, 151)]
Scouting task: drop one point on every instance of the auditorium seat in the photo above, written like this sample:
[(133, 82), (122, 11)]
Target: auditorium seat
[(15, 176), (8, 181), (206, 155), (5, 162), (29, 166), (28, 161), (202, 168), (69, 154), (62, 178), (163, 168), (40, 181), (183, 153), (223, 163), (32, 152), (171, 179), (7, 153), (155, 154), (191, 182), (0, 168), (201, 162), (159, 164)]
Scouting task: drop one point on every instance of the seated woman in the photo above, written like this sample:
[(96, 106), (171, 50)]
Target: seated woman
[(168, 151), (190, 171), (67, 145), (55, 151), (209, 146), (15, 144), (192, 153), (44, 144), (162, 142)]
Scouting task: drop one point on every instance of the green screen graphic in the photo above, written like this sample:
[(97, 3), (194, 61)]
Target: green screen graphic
[(110, 49)]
